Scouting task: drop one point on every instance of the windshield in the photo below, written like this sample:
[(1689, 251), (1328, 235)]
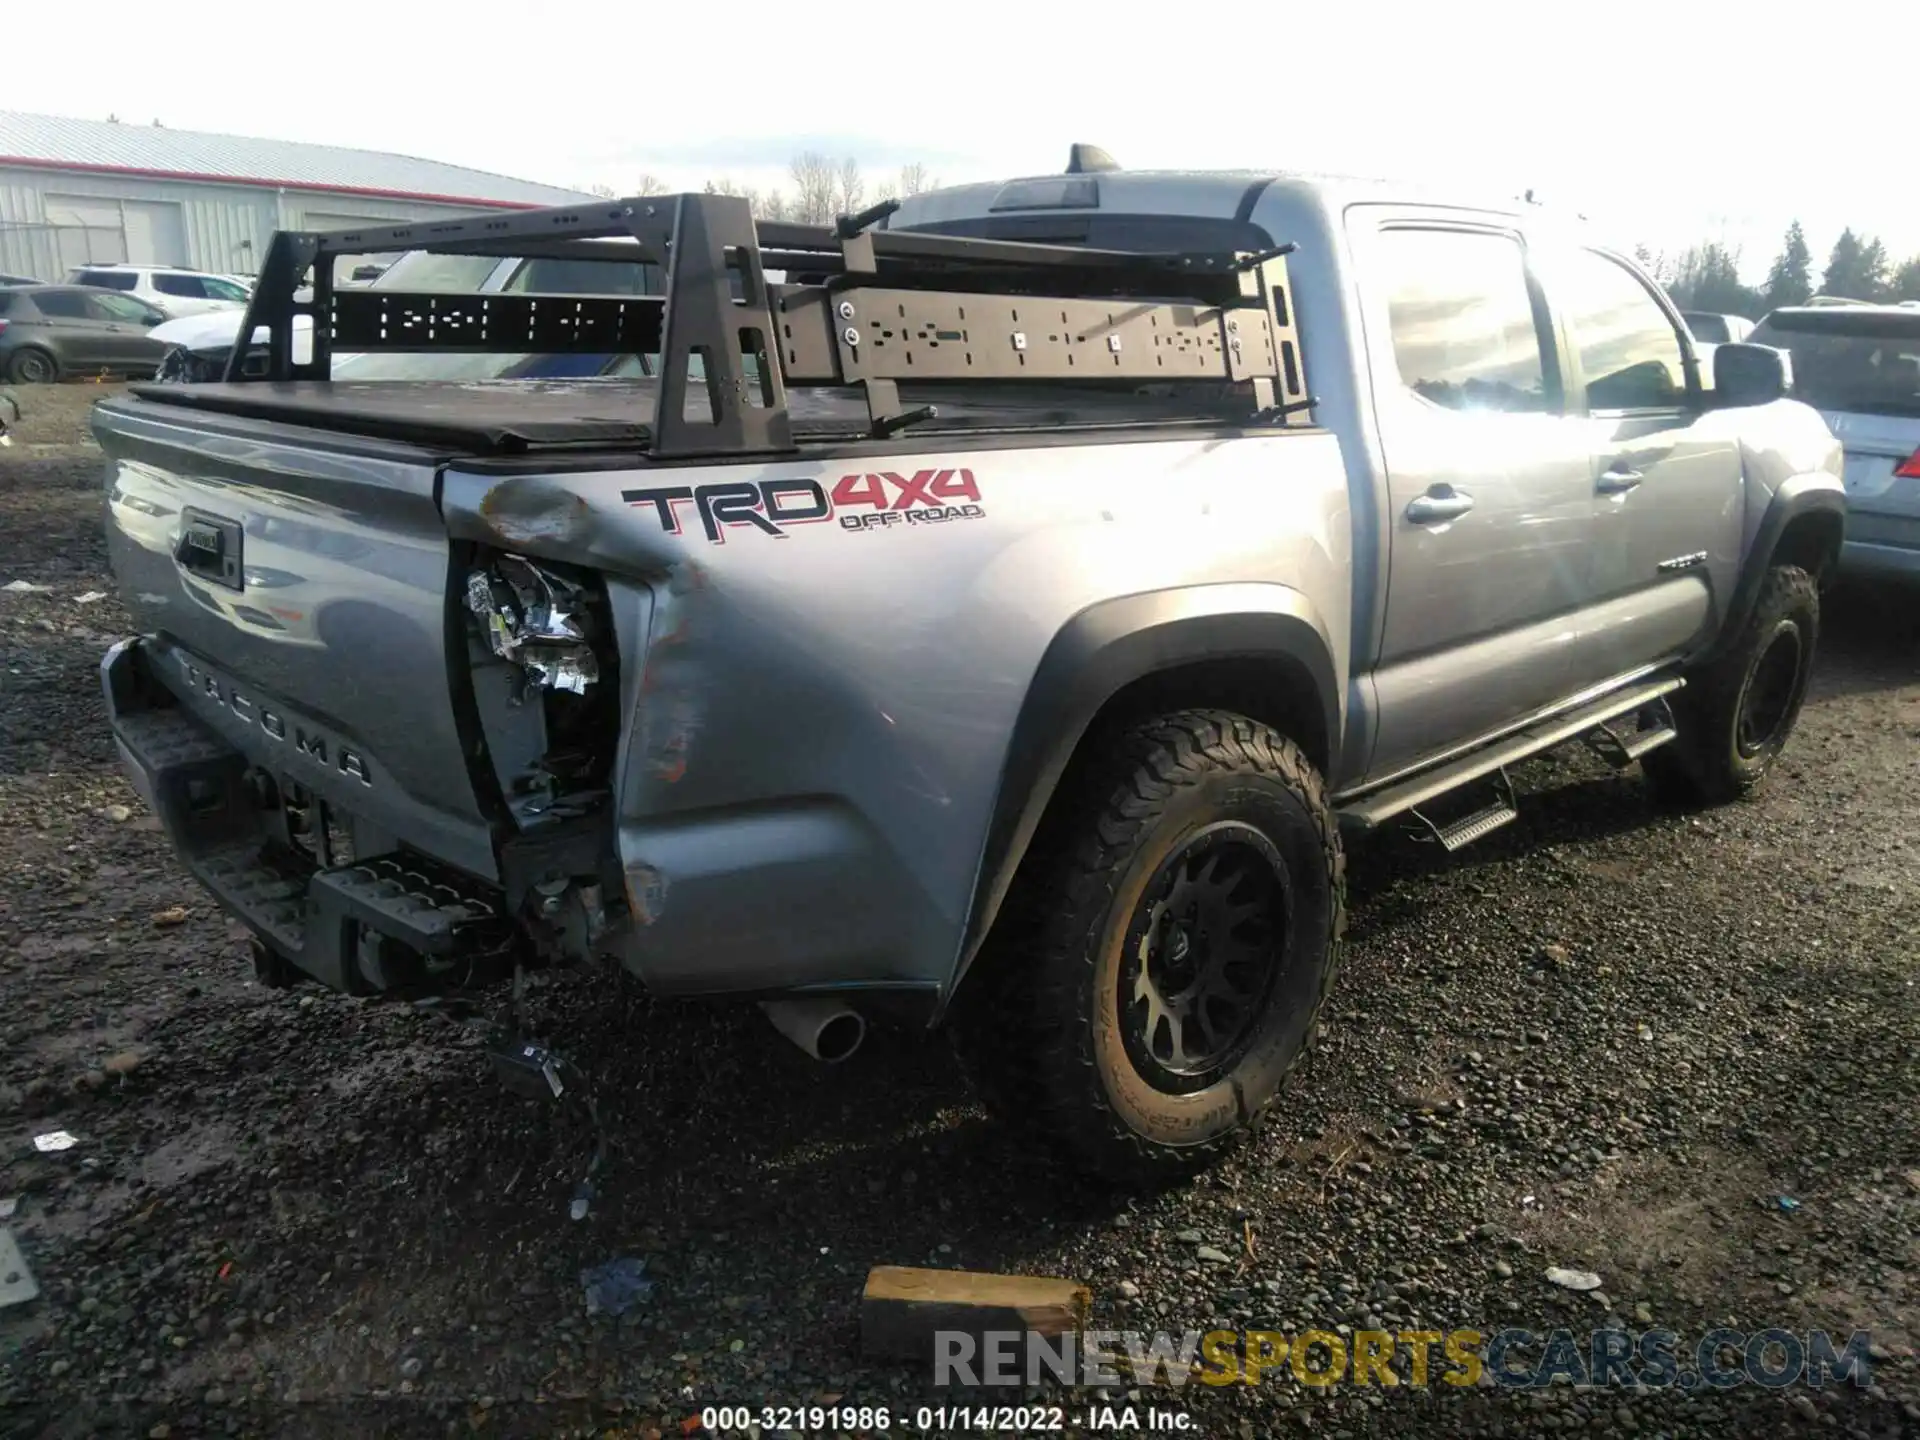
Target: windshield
[(465, 274), (1863, 361), (1709, 328)]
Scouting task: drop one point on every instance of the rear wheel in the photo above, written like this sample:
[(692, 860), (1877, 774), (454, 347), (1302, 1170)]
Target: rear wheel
[(1735, 715), (33, 366), (1168, 948)]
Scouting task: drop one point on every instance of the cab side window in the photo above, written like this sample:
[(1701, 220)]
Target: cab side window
[(1629, 350), (1465, 332)]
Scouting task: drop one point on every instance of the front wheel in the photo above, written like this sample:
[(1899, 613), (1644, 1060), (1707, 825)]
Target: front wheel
[(1734, 715), (1171, 940)]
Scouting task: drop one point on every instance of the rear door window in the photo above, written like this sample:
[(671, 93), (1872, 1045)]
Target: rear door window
[(63, 304), (110, 279), (188, 287), (1466, 334), (123, 309)]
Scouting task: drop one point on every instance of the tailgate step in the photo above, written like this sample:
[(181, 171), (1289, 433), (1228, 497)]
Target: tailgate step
[(396, 895), (269, 893)]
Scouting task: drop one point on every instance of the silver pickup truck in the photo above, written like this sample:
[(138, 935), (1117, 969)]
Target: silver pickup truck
[(1000, 623)]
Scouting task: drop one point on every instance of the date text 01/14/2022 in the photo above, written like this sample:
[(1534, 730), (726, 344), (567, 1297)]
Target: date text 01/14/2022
[(942, 1419)]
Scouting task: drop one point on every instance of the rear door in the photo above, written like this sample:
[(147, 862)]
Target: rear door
[(130, 323), (84, 336), (1489, 484), (1666, 471)]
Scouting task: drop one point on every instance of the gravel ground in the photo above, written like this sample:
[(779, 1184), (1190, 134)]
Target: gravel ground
[(1605, 1038)]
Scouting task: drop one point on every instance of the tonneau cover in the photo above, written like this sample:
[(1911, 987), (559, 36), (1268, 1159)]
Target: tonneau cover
[(504, 417), (516, 417)]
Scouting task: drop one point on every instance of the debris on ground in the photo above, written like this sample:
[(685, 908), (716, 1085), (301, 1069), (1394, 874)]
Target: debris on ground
[(91, 597), (8, 1205), (171, 916), (1573, 1279), (903, 1308), (54, 1140), (24, 587), (119, 814), (17, 1285), (616, 1286), (1786, 1203)]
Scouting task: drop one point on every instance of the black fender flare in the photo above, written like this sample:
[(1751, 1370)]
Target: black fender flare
[(1098, 653), (1796, 498)]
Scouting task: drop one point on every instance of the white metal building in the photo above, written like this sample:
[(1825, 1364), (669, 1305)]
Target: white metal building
[(74, 192)]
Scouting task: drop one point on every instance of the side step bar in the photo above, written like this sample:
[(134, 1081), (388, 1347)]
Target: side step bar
[(1504, 810), (1370, 810)]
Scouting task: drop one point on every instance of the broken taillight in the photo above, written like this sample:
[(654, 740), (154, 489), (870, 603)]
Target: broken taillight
[(1910, 470)]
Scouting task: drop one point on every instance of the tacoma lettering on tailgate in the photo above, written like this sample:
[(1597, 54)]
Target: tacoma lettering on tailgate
[(310, 745)]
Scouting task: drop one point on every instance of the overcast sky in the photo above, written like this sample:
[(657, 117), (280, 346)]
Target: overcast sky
[(1664, 121)]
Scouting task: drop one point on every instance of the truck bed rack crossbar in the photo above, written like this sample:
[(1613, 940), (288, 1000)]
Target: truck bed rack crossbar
[(868, 308)]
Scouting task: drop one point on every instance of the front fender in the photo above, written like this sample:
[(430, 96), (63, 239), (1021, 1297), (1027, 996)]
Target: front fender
[(1812, 500), (1110, 646)]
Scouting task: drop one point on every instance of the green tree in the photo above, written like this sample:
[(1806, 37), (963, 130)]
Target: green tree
[(1707, 277), (1906, 281), (1873, 271), (1856, 269), (1790, 281)]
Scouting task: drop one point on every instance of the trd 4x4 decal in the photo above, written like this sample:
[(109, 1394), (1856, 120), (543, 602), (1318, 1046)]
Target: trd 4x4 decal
[(870, 501)]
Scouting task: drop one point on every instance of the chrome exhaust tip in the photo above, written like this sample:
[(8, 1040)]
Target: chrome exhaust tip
[(825, 1029)]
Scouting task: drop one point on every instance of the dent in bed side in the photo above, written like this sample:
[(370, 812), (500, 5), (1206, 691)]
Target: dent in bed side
[(1271, 635)]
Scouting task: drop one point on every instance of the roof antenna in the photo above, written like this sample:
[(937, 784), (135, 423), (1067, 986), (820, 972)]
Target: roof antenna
[(1085, 159)]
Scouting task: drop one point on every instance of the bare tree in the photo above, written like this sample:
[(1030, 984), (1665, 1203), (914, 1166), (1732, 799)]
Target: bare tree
[(850, 189), (914, 179), (605, 192), (816, 188), (649, 184)]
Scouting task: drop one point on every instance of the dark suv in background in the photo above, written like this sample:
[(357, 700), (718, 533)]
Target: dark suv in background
[(50, 331)]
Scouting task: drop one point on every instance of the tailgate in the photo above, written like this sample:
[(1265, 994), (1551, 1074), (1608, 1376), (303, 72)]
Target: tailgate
[(295, 584), (1877, 448)]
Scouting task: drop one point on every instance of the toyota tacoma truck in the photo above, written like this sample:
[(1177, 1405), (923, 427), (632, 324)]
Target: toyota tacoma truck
[(1000, 622)]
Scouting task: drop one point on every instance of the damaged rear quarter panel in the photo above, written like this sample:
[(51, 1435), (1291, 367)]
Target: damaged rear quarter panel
[(819, 709)]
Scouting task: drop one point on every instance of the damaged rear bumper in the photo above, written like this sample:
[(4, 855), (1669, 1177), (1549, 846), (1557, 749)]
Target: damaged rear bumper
[(324, 891), (752, 901)]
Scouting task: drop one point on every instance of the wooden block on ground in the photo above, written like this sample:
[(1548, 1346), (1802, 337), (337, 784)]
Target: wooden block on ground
[(902, 1308)]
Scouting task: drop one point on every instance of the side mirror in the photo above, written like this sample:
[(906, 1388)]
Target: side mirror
[(1750, 374)]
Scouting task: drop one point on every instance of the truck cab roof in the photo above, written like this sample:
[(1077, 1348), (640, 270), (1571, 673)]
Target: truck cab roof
[(1217, 194)]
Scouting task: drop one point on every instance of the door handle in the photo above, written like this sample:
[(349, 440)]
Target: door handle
[(1615, 481), (1439, 504)]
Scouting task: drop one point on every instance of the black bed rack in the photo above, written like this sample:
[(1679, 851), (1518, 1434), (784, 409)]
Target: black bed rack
[(870, 307)]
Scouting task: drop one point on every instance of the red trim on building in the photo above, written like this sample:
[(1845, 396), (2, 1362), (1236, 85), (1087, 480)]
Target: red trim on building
[(310, 186)]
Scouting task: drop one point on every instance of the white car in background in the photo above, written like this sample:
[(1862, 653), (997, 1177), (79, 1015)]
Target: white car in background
[(166, 287)]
